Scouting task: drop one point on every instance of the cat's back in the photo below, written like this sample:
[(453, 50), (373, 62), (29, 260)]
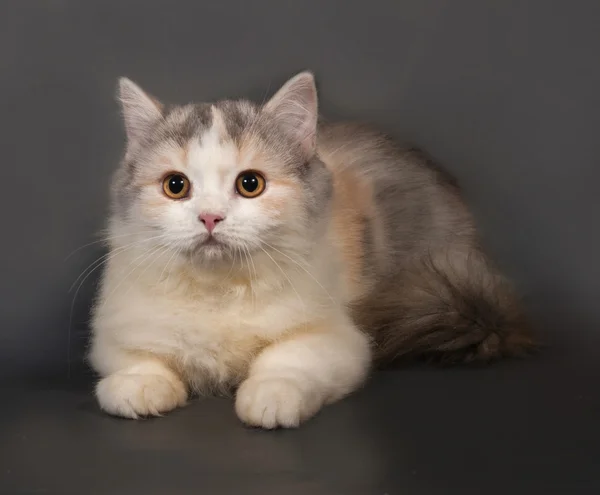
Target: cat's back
[(354, 148), (393, 198)]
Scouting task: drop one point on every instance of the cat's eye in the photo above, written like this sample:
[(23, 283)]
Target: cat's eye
[(176, 186), (250, 184)]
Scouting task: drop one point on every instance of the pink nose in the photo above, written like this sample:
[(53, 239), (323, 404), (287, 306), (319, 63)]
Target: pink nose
[(210, 221)]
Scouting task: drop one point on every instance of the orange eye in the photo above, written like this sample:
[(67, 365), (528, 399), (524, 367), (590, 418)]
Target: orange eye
[(176, 186), (250, 184)]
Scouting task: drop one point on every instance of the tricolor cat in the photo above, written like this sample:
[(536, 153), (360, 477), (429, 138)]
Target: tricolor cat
[(254, 249)]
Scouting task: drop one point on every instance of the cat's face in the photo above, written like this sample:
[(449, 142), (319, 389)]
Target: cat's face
[(211, 180)]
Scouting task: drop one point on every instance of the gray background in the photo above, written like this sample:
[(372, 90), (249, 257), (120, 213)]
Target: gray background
[(505, 94)]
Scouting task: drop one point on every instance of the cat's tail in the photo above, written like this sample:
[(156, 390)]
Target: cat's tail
[(448, 309)]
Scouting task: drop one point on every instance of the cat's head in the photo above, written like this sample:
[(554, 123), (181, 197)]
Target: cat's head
[(213, 179)]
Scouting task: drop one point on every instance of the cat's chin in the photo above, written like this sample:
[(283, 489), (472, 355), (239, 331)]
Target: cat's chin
[(211, 250)]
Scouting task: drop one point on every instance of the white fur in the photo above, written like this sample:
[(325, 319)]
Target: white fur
[(210, 335), (163, 325), (290, 381), (143, 389)]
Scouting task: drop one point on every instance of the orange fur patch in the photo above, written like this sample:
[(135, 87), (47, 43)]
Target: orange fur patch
[(353, 206), (251, 156)]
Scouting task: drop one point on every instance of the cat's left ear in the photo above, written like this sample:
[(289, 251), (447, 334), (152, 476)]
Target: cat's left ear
[(295, 109), (140, 110)]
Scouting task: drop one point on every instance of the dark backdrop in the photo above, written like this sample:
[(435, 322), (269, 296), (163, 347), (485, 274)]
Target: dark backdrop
[(505, 94)]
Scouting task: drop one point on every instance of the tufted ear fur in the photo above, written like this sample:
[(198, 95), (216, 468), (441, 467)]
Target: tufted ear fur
[(140, 110), (295, 109)]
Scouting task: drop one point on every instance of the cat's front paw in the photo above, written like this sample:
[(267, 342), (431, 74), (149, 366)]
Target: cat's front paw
[(133, 395), (275, 402)]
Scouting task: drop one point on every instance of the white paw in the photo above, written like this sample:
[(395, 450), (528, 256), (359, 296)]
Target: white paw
[(275, 402), (134, 395)]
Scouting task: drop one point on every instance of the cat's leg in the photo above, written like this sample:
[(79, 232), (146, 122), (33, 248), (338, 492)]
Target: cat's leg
[(135, 386), (294, 377)]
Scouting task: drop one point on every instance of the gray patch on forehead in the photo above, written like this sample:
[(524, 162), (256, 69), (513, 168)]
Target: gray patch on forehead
[(238, 116), (182, 124)]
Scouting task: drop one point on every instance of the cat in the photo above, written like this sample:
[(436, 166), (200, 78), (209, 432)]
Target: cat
[(258, 249)]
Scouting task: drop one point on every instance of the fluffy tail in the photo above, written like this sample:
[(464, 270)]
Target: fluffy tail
[(447, 310)]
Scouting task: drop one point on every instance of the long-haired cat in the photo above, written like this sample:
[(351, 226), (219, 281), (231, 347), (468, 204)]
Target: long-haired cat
[(255, 249)]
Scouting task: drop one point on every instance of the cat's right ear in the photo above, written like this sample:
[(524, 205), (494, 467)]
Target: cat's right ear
[(140, 110)]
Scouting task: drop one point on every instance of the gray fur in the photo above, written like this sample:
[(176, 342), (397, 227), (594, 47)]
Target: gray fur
[(239, 117), (436, 295)]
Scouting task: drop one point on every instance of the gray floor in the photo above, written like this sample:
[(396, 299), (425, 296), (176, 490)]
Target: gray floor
[(516, 428)]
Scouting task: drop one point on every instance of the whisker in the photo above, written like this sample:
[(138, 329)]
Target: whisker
[(253, 268), (110, 255), (290, 282), (245, 251), (175, 253), (98, 263), (166, 284), (303, 268), (157, 254), (228, 276), (145, 256), (105, 239), (253, 265)]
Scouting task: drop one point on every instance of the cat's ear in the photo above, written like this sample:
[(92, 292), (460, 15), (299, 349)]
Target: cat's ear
[(295, 109), (140, 110)]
